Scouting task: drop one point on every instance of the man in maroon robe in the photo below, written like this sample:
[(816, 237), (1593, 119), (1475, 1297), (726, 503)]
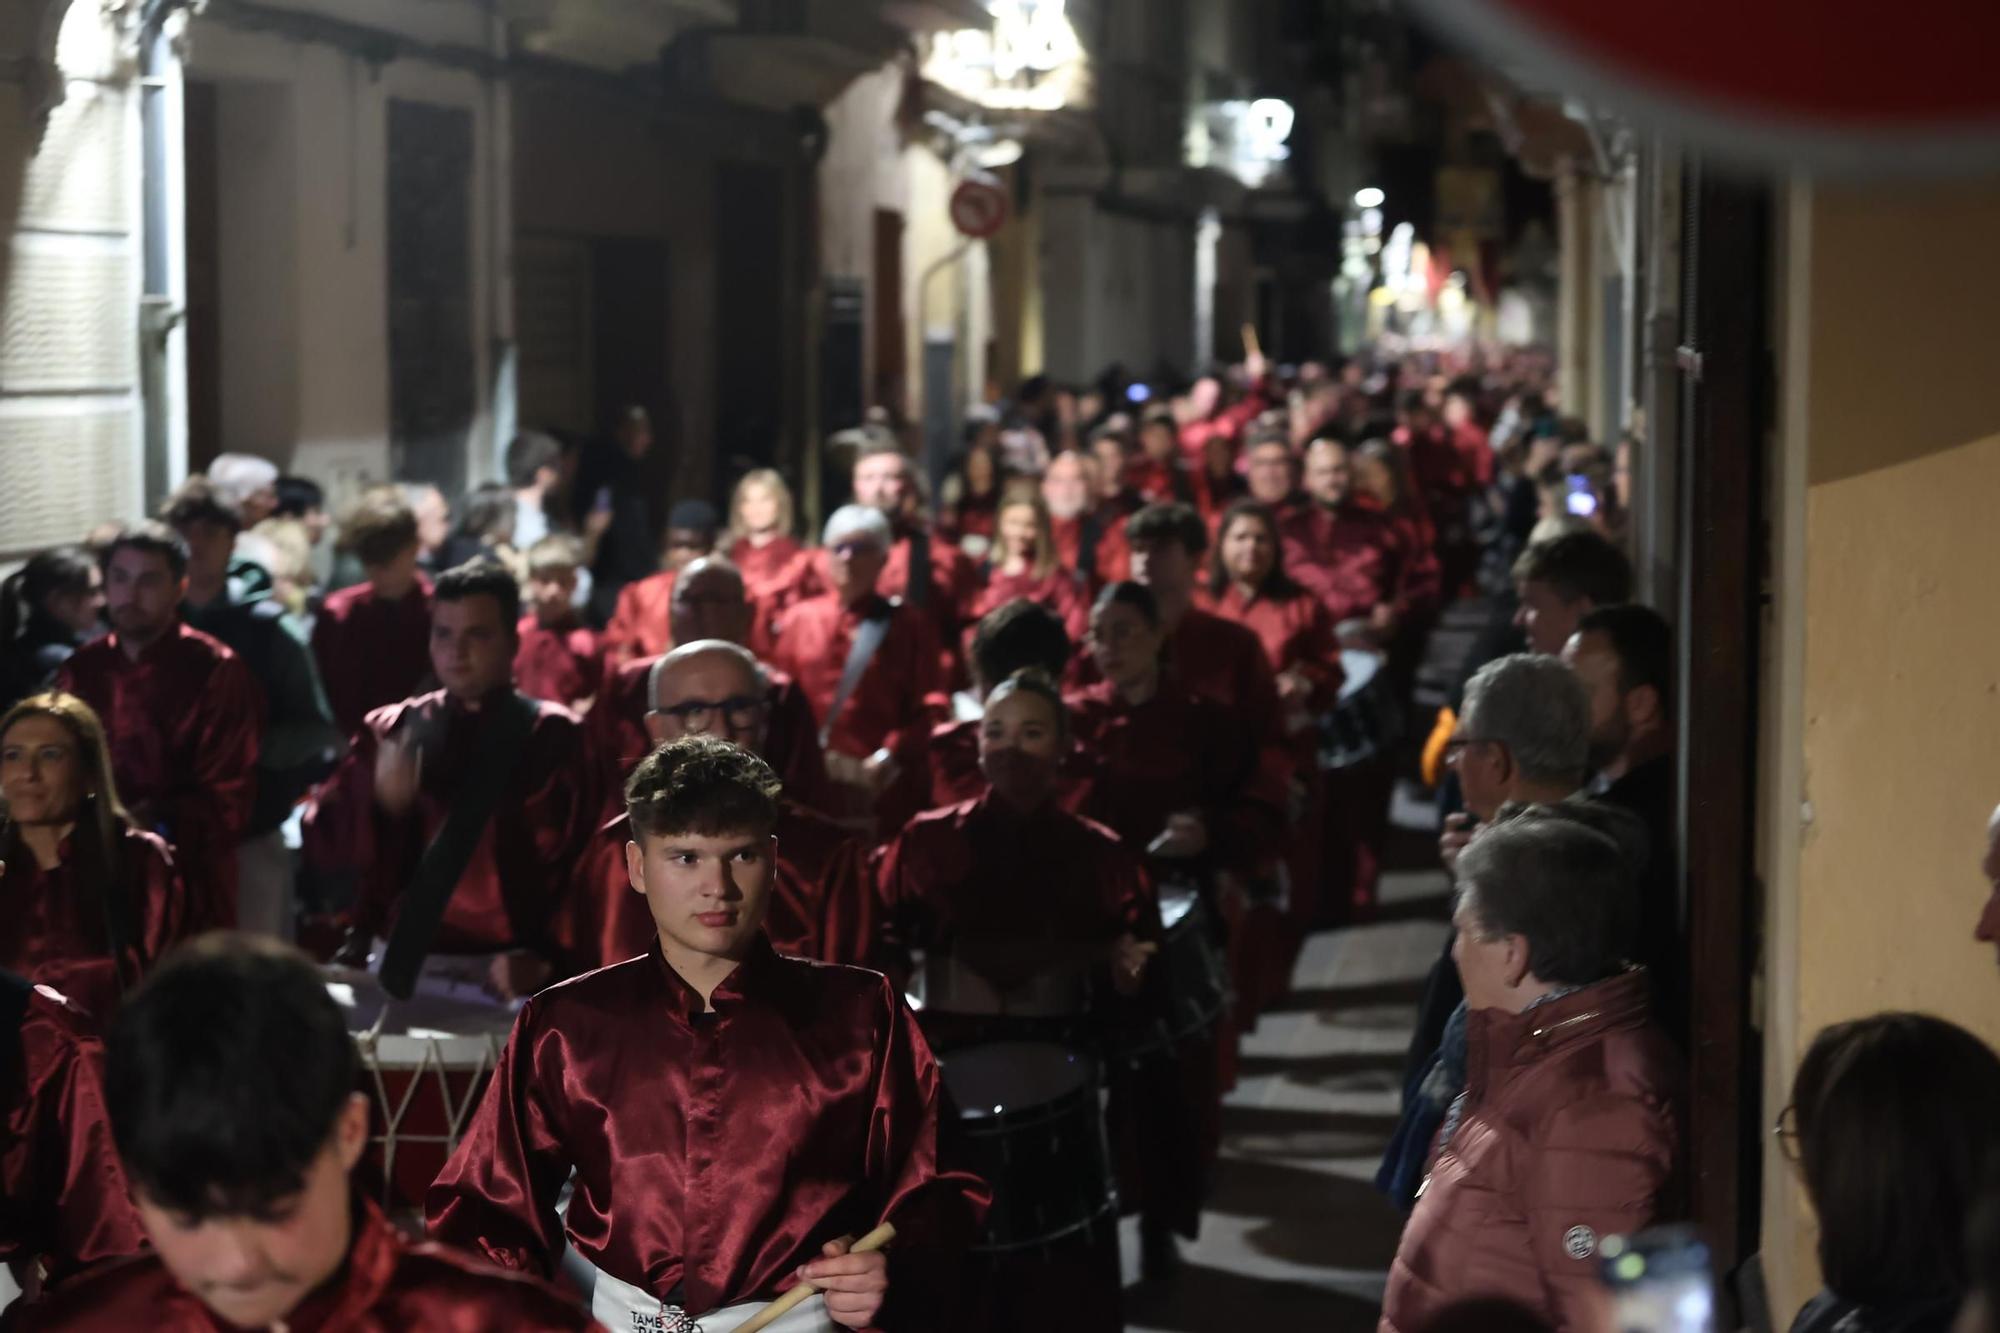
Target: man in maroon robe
[(709, 602), (559, 659), (1357, 560), (231, 1087), (779, 1106), (873, 727), (821, 907), (1089, 537), (66, 1200), (411, 767), (372, 641), (183, 715)]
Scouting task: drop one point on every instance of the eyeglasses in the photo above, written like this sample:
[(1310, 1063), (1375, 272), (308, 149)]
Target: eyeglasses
[(698, 715), (1455, 747), (1786, 1132)]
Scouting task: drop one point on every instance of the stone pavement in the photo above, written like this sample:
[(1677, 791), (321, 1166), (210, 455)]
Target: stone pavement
[(1295, 1236)]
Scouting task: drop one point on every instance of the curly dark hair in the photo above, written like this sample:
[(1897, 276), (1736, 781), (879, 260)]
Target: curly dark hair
[(1174, 521), (704, 785)]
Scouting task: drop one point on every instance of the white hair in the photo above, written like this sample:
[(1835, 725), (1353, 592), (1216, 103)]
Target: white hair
[(857, 521), (240, 476)]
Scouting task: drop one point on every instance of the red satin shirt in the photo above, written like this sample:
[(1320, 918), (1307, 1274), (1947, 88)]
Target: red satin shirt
[(713, 1152), (1356, 558), (1179, 751), (185, 721), (562, 666), (63, 1196), (616, 725), (1223, 661), (53, 927), (514, 884), (1011, 894), (388, 1283), (822, 905), (1057, 591), (887, 706), (764, 568), (1295, 632), (370, 651), (641, 624), (1111, 558)]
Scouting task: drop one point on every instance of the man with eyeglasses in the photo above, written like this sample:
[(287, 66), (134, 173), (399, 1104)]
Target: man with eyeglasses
[(820, 908), (709, 602)]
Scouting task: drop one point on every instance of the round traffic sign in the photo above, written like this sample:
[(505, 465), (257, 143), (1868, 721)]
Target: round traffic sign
[(978, 208)]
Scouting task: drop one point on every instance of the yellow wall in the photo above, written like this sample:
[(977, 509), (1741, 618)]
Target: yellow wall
[(1883, 692)]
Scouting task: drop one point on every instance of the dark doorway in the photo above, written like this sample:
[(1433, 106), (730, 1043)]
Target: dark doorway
[(431, 370), (204, 275), (891, 339), (751, 356), (628, 317)]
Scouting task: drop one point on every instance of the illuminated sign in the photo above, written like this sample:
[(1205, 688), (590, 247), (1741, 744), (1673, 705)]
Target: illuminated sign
[(1030, 61)]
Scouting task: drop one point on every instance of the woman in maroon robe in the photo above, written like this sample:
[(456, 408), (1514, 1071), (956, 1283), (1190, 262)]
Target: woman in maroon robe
[(88, 902), (1025, 564), (760, 541)]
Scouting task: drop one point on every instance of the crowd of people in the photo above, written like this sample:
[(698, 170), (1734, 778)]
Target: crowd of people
[(875, 917)]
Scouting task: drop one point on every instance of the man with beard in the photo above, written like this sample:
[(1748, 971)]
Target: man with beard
[(1624, 657), (184, 717), (1356, 559)]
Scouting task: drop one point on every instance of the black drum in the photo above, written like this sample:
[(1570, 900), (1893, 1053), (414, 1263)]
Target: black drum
[(1364, 723), (1196, 993), (1029, 1115)]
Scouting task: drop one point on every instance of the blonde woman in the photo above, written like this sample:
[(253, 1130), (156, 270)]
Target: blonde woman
[(760, 542), (1025, 564)]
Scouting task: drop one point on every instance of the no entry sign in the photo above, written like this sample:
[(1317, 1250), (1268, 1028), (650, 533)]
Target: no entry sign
[(978, 208), (1845, 86)]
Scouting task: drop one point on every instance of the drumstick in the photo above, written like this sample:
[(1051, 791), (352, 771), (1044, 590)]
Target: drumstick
[(798, 1295), (1251, 347)]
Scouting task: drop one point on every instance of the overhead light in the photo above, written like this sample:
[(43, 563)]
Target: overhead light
[(1000, 153), (1369, 197)]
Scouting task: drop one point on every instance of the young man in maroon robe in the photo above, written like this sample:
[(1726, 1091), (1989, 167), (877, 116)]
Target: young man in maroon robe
[(67, 1206), (231, 1087), (710, 601), (730, 1120), (559, 660), (883, 718), (410, 766), (372, 640), (182, 713), (822, 906), (640, 624)]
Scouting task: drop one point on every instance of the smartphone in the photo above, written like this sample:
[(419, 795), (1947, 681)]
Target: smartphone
[(601, 503), (1582, 500), (1661, 1281)]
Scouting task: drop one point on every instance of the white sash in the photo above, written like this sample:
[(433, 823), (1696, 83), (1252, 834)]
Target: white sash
[(624, 1308)]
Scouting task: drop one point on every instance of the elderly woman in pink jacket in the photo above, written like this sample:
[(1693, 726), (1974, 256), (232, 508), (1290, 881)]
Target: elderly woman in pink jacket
[(1567, 1131)]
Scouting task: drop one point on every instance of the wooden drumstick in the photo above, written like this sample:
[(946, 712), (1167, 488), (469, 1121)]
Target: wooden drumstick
[(798, 1295), (1251, 345)]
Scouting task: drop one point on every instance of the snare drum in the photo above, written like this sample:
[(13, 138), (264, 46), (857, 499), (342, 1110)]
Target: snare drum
[(426, 1062), (1197, 980), (1363, 722), (1033, 1125)]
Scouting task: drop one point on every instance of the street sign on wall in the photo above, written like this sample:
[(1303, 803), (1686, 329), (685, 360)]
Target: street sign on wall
[(978, 208), (1840, 86)]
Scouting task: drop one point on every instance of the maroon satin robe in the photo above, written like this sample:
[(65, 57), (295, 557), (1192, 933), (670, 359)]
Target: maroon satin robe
[(1057, 591), (765, 568), (955, 582), (513, 887), (53, 927), (887, 707), (185, 722), (616, 724), (370, 651), (641, 624), (1295, 633), (713, 1152), (63, 1195), (1355, 558), (1010, 894), (1111, 558), (1223, 661), (822, 903), (388, 1283), (562, 666)]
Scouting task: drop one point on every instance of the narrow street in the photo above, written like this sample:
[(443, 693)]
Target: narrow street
[(1296, 1235)]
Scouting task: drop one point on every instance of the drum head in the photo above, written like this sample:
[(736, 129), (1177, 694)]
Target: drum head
[(406, 1032), (990, 1082)]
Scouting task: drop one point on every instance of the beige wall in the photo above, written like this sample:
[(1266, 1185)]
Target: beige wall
[(1883, 690)]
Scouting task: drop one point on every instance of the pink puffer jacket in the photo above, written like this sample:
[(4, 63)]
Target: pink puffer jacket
[(1569, 1133)]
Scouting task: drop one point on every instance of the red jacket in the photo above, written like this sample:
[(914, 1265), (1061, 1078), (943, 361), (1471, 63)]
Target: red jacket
[(372, 652), (641, 625), (1058, 591), (1356, 558), (1568, 1133), (1111, 553), (887, 706), (562, 666), (764, 568)]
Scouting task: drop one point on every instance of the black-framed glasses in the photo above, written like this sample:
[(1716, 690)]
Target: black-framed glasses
[(1786, 1132), (698, 715)]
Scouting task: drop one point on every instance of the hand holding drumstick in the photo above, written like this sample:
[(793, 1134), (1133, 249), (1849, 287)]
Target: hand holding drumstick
[(854, 1278)]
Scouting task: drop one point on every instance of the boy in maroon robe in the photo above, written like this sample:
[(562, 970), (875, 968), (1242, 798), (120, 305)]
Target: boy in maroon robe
[(183, 715), (725, 1116), (230, 1082), (559, 660), (372, 640)]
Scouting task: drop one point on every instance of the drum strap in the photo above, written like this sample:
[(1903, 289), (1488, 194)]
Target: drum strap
[(917, 586), (867, 642), (501, 746), (1086, 549)]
